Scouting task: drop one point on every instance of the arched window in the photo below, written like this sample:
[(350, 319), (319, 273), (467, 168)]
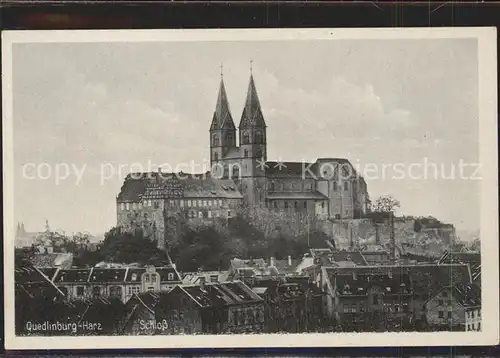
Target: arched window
[(259, 137), (215, 140), (246, 138), (246, 153), (286, 204), (259, 153), (346, 186)]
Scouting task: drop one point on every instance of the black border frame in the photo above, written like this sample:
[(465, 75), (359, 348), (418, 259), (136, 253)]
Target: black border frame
[(50, 15)]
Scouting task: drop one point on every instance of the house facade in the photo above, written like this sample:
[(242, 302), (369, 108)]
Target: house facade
[(121, 283)]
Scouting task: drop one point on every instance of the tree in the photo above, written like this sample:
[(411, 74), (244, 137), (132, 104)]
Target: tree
[(385, 204)]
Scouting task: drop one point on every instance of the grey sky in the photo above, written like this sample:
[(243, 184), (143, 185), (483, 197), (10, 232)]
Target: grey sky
[(376, 101)]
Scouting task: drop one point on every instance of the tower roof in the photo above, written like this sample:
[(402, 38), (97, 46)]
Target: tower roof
[(252, 113), (222, 115)]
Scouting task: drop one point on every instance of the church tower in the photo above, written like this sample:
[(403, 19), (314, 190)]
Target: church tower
[(253, 149), (222, 129)]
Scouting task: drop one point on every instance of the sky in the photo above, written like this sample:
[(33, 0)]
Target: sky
[(95, 107)]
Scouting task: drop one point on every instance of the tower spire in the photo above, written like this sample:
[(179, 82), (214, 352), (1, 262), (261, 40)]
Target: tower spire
[(252, 112), (251, 67), (221, 70), (222, 115)]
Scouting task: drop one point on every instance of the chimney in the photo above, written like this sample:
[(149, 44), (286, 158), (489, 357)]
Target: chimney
[(289, 260), (202, 282), (272, 261)]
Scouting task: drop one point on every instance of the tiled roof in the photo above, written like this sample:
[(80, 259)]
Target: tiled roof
[(297, 195), (33, 282), (295, 169), (473, 259), (468, 295), (426, 279), (147, 299), (290, 291), (107, 275), (165, 271), (52, 260), (356, 280), (72, 275), (134, 274), (193, 186), (220, 294)]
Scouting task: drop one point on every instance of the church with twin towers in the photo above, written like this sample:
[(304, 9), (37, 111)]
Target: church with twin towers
[(242, 175), (328, 187)]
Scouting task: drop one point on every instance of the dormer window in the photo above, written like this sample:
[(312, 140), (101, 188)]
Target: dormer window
[(146, 277), (134, 277)]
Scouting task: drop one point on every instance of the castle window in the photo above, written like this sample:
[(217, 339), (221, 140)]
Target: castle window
[(150, 203), (305, 204), (199, 203), (204, 203), (258, 137), (296, 205), (361, 307), (146, 277), (200, 214), (245, 153), (286, 204), (215, 139), (246, 138), (275, 204), (210, 203), (335, 186), (346, 186), (134, 206), (171, 202), (153, 278), (259, 153), (170, 276), (229, 213), (272, 186), (79, 291), (122, 206), (127, 206)]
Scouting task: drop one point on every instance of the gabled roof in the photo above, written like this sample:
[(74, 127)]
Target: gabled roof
[(103, 275), (222, 118), (252, 113), (465, 295), (219, 294), (191, 186), (33, 282)]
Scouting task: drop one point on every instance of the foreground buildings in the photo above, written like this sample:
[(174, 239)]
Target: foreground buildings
[(240, 175)]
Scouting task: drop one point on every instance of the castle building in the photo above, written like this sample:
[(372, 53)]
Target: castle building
[(241, 175)]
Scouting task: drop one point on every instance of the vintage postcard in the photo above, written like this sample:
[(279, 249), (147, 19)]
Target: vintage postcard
[(250, 188)]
